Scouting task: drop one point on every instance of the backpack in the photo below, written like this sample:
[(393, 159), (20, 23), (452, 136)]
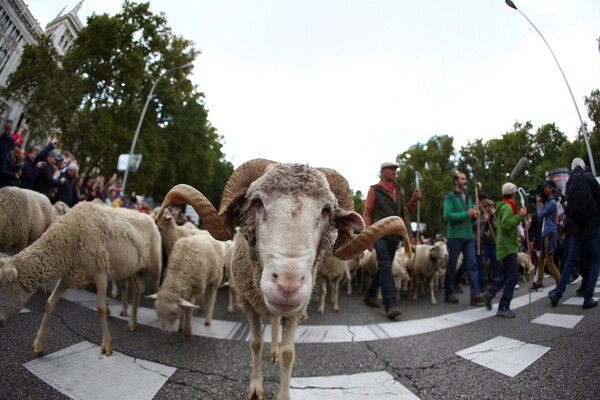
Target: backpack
[(580, 197)]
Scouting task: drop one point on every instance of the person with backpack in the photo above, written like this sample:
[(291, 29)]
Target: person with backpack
[(583, 211), (547, 211)]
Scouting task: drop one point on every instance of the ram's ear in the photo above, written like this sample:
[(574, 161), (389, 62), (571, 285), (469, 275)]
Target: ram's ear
[(185, 303), (10, 274), (348, 221), (153, 296)]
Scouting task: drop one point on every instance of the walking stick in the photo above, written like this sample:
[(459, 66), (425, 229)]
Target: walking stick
[(477, 189), (521, 195), (414, 255)]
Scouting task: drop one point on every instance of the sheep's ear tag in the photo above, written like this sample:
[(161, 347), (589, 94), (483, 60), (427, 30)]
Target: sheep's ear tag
[(185, 303), (10, 274), (153, 296)]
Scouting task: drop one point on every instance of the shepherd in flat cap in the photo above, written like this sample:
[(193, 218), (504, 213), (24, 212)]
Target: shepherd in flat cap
[(386, 199)]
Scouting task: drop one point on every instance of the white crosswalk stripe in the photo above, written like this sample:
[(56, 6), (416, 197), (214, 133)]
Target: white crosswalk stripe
[(505, 355), (80, 372), (560, 320), (380, 385)]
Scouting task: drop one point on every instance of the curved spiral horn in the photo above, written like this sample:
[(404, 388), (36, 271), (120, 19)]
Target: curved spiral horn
[(340, 187), (186, 194), (238, 183), (358, 244)]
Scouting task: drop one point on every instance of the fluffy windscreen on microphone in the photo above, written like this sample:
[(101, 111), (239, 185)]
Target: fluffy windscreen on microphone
[(519, 169)]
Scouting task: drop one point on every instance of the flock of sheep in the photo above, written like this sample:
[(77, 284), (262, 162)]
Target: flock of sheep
[(296, 237), (291, 218)]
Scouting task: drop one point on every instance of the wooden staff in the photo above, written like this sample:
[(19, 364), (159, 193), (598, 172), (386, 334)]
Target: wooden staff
[(477, 189)]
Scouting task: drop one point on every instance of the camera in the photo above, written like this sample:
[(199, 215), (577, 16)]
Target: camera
[(533, 193)]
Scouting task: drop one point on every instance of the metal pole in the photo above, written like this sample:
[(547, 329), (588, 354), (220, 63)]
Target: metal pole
[(137, 132), (583, 128), (139, 125)]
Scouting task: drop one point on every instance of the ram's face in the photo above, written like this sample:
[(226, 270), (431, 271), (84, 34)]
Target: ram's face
[(168, 311), (290, 232), (439, 251), (12, 299)]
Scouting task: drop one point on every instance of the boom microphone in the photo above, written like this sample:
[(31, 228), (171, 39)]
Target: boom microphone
[(519, 169)]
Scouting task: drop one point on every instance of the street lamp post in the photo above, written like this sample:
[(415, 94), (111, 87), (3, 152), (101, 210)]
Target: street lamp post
[(139, 125), (583, 128)]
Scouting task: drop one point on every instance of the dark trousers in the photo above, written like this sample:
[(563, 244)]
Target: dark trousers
[(467, 247), (386, 251), (508, 280)]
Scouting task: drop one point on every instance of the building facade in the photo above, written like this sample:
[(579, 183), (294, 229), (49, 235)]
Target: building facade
[(19, 27)]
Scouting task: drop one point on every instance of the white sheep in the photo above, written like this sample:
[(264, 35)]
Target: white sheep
[(424, 264), (195, 267), (330, 270), (171, 232), (25, 215), (400, 272), (61, 208), (526, 267), (229, 278), (363, 265), (286, 214), (90, 244)]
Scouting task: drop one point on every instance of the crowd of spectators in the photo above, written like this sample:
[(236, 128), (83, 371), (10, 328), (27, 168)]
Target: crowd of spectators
[(56, 174)]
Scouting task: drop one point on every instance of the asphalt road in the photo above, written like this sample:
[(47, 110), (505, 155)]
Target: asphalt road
[(424, 363)]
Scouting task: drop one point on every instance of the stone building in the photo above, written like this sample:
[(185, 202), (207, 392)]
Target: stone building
[(19, 27)]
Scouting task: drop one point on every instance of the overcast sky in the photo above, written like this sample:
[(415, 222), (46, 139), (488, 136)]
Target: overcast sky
[(349, 84)]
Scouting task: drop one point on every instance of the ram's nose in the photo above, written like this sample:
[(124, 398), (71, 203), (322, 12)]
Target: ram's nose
[(288, 283)]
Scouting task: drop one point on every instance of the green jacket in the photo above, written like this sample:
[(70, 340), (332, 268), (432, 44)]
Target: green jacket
[(507, 234), (459, 222)]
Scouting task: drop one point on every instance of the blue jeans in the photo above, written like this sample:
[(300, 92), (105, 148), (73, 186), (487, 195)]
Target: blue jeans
[(386, 251), (490, 254), (467, 247), (578, 242), (508, 280), (481, 272)]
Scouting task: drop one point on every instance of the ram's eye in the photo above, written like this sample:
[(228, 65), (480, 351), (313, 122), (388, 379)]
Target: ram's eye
[(257, 203), (326, 211)]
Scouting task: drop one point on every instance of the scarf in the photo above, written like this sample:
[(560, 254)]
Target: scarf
[(513, 205)]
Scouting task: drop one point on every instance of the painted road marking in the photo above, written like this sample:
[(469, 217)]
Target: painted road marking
[(82, 373), (505, 355), (560, 320), (315, 333), (380, 385), (575, 301)]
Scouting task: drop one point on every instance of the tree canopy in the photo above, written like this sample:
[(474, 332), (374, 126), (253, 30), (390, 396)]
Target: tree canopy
[(491, 162), (92, 98)]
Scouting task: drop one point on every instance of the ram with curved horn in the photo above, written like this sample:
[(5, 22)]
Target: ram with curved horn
[(287, 214)]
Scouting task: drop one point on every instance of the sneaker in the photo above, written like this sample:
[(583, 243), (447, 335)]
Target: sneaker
[(508, 313), (553, 299), (457, 289), (393, 312), (371, 302), (589, 304), (476, 300), (487, 300), (451, 298), (573, 278), (535, 286), (517, 286)]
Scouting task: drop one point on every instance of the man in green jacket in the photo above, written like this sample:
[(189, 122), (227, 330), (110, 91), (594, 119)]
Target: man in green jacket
[(460, 214), (508, 216)]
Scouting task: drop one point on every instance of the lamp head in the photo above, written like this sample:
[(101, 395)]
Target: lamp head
[(511, 4)]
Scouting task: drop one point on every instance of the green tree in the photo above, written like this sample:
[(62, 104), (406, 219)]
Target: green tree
[(435, 162), (97, 91)]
